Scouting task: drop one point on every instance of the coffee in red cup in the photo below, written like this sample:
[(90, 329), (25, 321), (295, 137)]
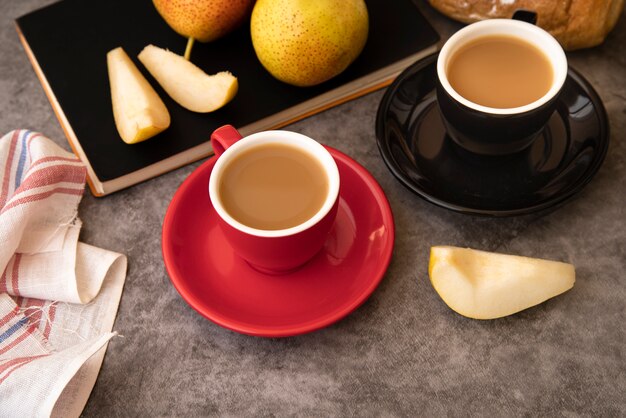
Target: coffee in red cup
[(276, 196)]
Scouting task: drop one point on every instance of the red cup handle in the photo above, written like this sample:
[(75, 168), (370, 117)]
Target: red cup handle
[(224, 137)]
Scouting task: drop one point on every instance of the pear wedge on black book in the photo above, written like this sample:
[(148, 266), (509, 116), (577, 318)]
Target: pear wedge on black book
[(138, 110), (186, 83)]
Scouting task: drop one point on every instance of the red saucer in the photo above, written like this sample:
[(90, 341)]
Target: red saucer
[(225, 289)]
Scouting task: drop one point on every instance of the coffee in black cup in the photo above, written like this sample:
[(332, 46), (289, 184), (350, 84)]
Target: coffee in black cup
[(498, 82)]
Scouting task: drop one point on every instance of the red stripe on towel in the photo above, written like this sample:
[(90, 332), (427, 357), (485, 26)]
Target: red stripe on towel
[(15, 274), (34, 198), (15, 364), (9, 316), (49, 159), (7, 169), (54, 174), (15, 342), (3, 282), (52, 309), (33, 310)]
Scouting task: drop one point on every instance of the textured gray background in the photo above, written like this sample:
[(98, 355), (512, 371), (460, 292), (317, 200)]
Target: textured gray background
[(403, 352)]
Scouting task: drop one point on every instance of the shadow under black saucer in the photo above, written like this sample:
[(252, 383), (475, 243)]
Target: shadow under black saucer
[(561, 161)]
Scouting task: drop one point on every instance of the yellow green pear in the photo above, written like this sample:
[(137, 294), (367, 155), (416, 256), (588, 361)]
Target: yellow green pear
[(306, 42), (203, 20)]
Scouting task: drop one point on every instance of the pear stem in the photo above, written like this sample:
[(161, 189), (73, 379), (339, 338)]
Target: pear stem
[(188, 49)]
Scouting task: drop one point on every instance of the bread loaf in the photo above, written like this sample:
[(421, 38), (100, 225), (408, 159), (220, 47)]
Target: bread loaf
[(574, 23)]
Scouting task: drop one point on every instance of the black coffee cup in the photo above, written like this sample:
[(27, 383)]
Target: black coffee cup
[(498, 131)]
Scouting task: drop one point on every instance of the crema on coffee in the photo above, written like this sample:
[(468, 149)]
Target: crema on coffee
[(500, 71), (273, 186)]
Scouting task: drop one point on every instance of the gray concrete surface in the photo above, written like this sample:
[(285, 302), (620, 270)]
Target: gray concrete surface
[(403, 353)]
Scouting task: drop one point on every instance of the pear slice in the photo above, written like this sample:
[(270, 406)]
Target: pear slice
[(484, 285), (187, 84), (138, 110)]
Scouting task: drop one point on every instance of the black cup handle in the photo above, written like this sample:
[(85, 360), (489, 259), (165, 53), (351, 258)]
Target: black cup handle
[(527, 16)]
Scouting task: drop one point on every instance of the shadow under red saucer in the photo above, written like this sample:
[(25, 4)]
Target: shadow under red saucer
[(225, 289)]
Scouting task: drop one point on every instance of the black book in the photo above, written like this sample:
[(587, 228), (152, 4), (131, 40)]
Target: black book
[(67, 43)]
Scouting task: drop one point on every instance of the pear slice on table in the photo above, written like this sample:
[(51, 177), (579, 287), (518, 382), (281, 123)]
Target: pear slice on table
[(484, 285), (187, 84), (138, 110)]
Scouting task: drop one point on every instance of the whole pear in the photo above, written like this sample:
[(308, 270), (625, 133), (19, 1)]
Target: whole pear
[(203, 20), (306, 42)]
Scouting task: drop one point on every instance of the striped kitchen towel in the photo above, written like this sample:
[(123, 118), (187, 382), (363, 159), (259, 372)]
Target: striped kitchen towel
[(58, 296)]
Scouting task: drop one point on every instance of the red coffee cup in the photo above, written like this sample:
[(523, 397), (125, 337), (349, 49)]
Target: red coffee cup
[(283, 250)]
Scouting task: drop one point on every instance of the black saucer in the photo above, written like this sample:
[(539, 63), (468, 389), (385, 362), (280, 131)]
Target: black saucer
[(562, 160)]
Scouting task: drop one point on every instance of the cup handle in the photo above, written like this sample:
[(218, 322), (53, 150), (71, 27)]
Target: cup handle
[(527, 16), (224, 137)]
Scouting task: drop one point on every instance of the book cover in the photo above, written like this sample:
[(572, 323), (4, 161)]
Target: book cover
[(67, 43)]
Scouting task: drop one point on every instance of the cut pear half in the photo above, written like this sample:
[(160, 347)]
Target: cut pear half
[(485, 285), (187, 84), (138, 110)]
